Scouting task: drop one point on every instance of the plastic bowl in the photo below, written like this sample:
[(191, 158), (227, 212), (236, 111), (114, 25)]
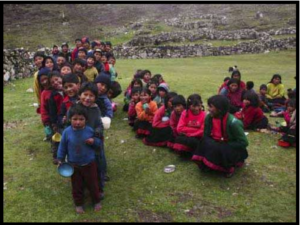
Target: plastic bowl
[(56, 137), (169, 169), (65, 170)]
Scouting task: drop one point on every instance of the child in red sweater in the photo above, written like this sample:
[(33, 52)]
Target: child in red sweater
[(190, 126), (251, 114), (161, 131), (135, 98)]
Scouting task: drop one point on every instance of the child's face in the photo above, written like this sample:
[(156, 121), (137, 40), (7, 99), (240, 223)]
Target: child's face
[(78, 122), (112, 61), (102, 88), (78, 68), (86, 45), (195, 109), (71, 89), (276, 81), (49, 64), (178, 109), (81, 55), (56, 83), (162, 93), (263, 91), (233, 87), (55, 50), (78, 44), (145, 98), (136, 97), (153, 88), (236, 76), (107, 48), (38, 61), (90, 62), (214, 112), (60, 60), (97, 56), (246, 102), (87, 98), (65, 70), (147, 77), (44, 80), (103, 59), (170, 103), (65, 49)]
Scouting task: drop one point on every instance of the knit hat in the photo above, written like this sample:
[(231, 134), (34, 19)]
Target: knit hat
[(43, 71), (79, 61), (82, 49), (70, 78), (164, 87), (263, 86), (103, 78), (95, 43)]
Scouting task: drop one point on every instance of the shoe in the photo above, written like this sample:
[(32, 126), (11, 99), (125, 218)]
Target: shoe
[(79, 209), (97, 207)]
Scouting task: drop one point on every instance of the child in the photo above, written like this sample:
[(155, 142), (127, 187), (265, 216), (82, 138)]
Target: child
[(55, 52), (88, 94), (91, 72), (98, 63), (251, 114), (86, 43), (66, 69), (223, 146), (78, 68), (226, 79), (291, 107), (112, 70), (190, 126), (161, 131), (38, 60), (135, 83), (152, 86), (234, 95), (108, 47), (71, 87), (49, 63), (179, 104), (65, 52), (103, 84), (159, 79), (82, 52), (145, 110), (250, 86), (114, 91), (145, 76), (135, 98), (162, 90), (235, 75), (289, 136), (74, 53), (275, 91), (263, 98), (78, 143), (60, 60)]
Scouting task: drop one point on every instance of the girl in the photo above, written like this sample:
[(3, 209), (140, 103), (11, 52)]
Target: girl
[(49, 63), (289, 137), (159, 78), (178, 104), (135, 98), (145, 110), (224, 142), (135, 83), (190, 126), (251, 114), (291, 107), (161, 131), (152, 86), (234, 95), (146, 76), (275, 91), (162, 93), (235, 75)]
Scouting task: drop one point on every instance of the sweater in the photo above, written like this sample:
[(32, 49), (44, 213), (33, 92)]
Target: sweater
[(142, 115), (91, 73), (191, 125), (73, 145), (132, 112), (105, 106), (65, 106), (37, 87), (275, 91), (234, 131), (174, 120), (157, 119), (251, 116), (55, 102), (45, 116)]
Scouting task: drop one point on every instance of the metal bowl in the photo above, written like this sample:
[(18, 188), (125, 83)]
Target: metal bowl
[(65, 170), (169, 169)]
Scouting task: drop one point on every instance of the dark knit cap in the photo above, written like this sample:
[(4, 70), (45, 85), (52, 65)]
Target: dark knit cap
[(83, 50), (95, 43), (79, 61), (263, 86), (70, 78), (103, 78), (43, 71)]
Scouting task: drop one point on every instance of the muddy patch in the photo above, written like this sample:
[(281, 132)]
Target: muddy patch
[(10, 125), (149, 216)]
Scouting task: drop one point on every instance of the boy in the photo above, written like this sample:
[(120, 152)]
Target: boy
[(60, 60), (79, 144), (78, 69), (263, 98), (74, 53), (91, 72), (38, 60), (65, 52), (82, 52), (65, 69), (55, 52), (98, 63)]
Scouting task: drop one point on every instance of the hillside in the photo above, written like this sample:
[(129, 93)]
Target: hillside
[(30, 25)]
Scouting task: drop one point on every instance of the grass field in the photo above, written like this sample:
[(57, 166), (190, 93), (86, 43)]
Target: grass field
[(139, 191)]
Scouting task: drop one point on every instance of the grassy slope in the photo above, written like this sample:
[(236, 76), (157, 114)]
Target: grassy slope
[(264, 190)]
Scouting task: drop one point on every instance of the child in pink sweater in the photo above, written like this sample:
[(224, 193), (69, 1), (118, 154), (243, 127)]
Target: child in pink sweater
[(190, 127), (161, 131)]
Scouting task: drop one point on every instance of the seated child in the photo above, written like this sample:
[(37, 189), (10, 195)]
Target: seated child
[(161, 131), (162, 90), (275, 91), (289, 133), (135, 83), (135, 98), (145, 111), (178, 104), (251, 114), (190, 127), (235, 75), (250, 86), (145, 76), (79, 144), (223, 146), (263, 98), (226, 79), (152, 86)]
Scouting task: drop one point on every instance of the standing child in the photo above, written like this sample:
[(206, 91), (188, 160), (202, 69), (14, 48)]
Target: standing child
[(82, 52), (251, 114), (98, 63), (74, 53), (55, 52), (179, 104), (162, 90), (79, 143), (135, 98), (161, 131), (78, 69), (66, 69), (65, 52), (145, 110), (190, 127), (49, 63), (60, 60), (38, 61), (91, 72), (223, 146)]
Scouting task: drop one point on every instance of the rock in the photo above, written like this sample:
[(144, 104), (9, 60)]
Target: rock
[(30, 90), (6, 76)]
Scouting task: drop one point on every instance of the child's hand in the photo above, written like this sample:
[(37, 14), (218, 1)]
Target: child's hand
[(59, 163), (90, 141)]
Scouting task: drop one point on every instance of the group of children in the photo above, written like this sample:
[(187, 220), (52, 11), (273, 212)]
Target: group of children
[(75, 92), (215, 140)]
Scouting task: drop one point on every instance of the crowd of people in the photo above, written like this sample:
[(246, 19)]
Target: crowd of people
[(75, 92)]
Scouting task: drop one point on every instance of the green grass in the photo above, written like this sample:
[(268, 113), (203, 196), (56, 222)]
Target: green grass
[(263, 191)]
